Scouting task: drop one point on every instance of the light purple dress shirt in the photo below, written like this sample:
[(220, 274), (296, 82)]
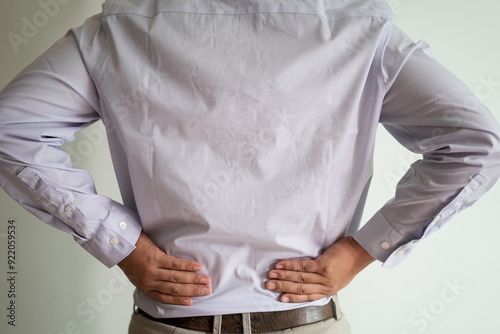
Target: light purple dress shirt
[(242, 133)]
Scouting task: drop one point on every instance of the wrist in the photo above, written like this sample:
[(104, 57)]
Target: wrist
[(363, 256)]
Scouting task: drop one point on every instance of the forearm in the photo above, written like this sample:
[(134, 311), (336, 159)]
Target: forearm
[(432, 113), (41, 109)]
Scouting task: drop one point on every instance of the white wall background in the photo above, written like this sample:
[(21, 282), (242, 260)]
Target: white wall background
[(449, 285)]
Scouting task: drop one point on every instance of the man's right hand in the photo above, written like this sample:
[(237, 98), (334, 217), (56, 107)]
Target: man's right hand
[(163, 277)]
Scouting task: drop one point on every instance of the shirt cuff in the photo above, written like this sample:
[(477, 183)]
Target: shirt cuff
[(116, 238), (379, 238)]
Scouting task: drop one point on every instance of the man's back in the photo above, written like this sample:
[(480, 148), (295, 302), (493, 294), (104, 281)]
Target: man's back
[(236, 117)]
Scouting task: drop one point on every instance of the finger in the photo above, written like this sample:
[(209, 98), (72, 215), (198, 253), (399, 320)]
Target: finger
[(296, 288), (292, 298), (297, 265), (183, 277), (181, 290), (296, 276), (171, 262)]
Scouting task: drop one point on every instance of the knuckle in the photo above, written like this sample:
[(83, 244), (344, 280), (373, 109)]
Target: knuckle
[(173, 290), (174, 265), (301, 278), (307, 265), (175, 278), (327, 271), (300, 289)]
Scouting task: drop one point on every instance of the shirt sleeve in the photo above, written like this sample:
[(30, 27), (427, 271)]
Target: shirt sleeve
[(40, 110), (430, 112)]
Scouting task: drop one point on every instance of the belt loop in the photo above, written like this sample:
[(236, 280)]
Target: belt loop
[(335, 308), (247, 323), (217, 329)]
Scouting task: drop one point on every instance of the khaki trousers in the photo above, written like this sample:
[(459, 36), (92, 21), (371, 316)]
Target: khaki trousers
[(142, 325)]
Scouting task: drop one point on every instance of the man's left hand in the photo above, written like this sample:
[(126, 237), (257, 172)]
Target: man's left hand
[(308, 280)]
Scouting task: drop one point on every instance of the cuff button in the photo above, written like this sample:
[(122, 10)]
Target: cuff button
[(114, 241)]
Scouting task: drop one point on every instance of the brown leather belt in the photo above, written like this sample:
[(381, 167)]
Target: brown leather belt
[(261, 322)]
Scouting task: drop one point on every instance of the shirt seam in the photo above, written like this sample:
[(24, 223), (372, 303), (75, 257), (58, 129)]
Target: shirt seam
[(386, 17)]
